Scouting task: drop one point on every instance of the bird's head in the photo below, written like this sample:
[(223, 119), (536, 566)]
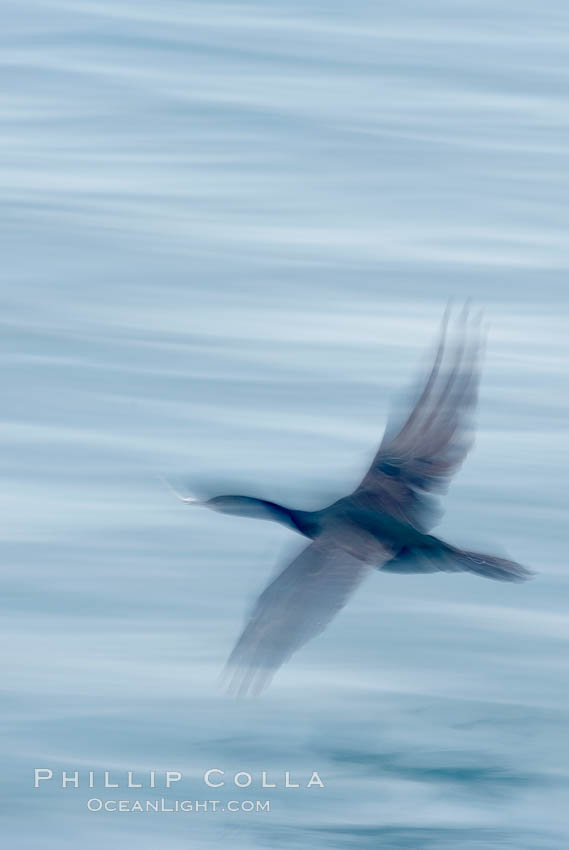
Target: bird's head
[(245, 506), (241, 506)]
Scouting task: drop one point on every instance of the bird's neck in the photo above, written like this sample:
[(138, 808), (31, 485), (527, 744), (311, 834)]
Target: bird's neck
[(300, 521)]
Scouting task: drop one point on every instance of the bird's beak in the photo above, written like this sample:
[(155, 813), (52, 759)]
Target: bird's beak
[(189, 498)]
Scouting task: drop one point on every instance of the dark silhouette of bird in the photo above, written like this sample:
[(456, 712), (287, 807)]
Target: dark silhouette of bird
[(383, 524)]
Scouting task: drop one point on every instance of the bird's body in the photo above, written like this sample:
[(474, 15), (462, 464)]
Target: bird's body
[(383, 524)]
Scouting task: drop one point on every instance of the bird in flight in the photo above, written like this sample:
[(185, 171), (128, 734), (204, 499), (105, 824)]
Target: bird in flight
[(383, 524)]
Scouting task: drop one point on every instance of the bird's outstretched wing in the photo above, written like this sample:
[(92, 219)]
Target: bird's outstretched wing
[(297, 605), (422, 448)]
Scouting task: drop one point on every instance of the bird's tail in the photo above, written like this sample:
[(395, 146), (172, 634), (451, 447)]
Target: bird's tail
[(489, 566), (436, 555)]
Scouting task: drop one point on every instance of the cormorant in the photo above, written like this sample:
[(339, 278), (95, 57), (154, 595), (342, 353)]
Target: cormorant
[(382, 525)]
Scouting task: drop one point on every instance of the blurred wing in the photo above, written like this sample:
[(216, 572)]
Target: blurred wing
[(422, 449), (297, 605)]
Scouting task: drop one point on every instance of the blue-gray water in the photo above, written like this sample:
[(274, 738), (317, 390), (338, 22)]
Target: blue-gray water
[(229, 234)]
